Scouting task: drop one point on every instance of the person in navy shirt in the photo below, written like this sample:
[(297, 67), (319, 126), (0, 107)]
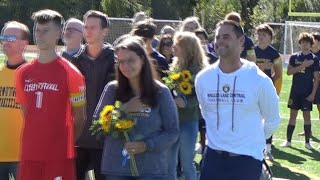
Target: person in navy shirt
[(248, 46), (304, 66), (268, 58)]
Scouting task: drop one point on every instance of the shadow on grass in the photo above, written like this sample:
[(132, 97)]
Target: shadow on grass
[(285, 173), (315, 139), (278, 154), (313, 154)]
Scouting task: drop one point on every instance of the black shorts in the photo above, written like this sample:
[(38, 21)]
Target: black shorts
[(317, 96), (202, 124), (299, 102)]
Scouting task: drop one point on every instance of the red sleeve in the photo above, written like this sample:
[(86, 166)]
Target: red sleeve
[(19, 87), (76, 86)]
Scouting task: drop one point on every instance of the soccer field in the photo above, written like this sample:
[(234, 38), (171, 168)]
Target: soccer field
[(297, 162)]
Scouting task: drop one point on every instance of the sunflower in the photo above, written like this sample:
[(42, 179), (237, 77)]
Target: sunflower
[(106, 112), (105, 124), (185, 87), (124, 124), (186, 75), (175, 76)]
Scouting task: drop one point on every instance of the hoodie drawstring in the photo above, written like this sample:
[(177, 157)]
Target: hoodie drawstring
[(233, 97)]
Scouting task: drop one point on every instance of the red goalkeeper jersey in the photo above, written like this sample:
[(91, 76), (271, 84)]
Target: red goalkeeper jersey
[(48, 92)]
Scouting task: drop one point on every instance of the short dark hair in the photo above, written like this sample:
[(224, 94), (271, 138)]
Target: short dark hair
[(265, 28), (238, 30), (46, 15), (148, 86), (305, 36), (105, 23), (316, 36), (145, 28), (25, 32), (202, 31), (234, 16)]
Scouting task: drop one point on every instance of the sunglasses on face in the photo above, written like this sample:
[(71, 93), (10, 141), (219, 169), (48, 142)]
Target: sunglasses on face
[(168, 44), (72, 30), (8, 38)]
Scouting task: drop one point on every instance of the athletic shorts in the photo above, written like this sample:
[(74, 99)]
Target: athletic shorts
[(317, 97), (202, 124), (47, 170), (299, 102)]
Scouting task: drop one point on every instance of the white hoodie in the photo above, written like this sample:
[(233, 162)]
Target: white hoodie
[(234, 106)]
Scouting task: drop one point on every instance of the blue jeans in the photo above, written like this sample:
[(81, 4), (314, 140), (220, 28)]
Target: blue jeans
[(8, 169), (173, 161), (220, 165), (187, 142), (110, 177)]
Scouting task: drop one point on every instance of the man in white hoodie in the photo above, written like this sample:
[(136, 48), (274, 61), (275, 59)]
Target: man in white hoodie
[(234, 105)]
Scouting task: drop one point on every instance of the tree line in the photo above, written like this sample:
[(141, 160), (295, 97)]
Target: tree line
[(253, 12)]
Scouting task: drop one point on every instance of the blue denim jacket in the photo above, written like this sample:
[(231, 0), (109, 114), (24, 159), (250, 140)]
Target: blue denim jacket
[(159, 128)]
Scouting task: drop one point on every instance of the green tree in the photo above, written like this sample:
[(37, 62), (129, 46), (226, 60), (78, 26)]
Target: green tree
[(125, 8)]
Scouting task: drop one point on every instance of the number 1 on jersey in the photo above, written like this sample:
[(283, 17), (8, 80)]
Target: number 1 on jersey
[(39, 97)]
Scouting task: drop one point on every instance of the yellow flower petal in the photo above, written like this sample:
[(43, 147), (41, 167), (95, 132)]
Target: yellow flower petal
[(186, 75), (175, 76), (124, 124), (106, 112), (185, 87)]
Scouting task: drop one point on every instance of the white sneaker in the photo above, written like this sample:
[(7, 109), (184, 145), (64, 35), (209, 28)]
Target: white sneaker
[(198, 148), (285, 144), (269, 157), (309, 146)]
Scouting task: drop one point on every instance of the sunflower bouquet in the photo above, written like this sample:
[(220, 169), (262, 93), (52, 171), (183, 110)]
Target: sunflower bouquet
[(114, 122), (180, 82)]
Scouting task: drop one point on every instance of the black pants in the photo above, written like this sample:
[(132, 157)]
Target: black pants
[(86, 160), (222, 165)]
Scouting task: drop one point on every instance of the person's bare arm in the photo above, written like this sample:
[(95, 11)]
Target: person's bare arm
[(79, 115)]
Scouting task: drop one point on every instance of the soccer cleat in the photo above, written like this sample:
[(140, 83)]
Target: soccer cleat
[(309, 146), (269, 157), (303, 134), (285, 144), (198, 148)]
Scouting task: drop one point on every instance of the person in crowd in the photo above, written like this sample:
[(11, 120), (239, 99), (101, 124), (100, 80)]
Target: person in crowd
[(51, 92), (167, 30), (248, 46), (165, 47), (189, 55), (11, 119), (304, 66), (96, 62), (147, 30), (240, 108), (315, 49), (268, 58), (72, 38), (190, 24), (147, 101), (203, 36)]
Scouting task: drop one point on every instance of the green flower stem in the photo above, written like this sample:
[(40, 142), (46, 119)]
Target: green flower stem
[(133, 164)]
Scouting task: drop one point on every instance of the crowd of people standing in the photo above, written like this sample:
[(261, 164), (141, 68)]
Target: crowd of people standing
[(53, 100)]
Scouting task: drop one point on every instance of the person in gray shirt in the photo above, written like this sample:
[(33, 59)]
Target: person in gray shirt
[(150, 104)]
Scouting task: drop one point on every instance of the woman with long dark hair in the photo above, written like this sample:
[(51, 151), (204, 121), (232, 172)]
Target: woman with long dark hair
[(151, 105)]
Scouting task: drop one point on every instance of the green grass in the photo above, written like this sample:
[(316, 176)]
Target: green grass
[(296, 162)]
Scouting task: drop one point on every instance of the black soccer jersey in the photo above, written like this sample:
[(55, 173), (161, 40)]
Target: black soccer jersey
[(269, 54), (302, 81)]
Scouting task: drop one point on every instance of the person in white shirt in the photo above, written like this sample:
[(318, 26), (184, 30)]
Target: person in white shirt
[(240, 106)]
